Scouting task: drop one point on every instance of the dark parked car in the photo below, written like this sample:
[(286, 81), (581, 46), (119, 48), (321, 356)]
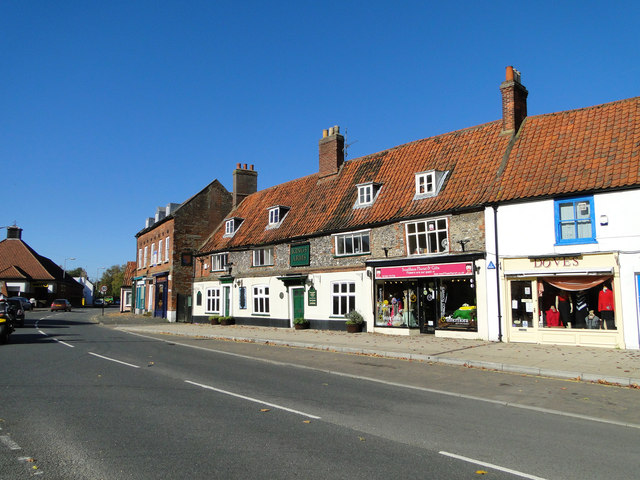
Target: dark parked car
[(98, 302), (15, 311), (61, 304), (26, 304)]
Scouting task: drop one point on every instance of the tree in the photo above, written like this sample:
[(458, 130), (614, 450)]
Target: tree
[(77, 272), (113, 278)]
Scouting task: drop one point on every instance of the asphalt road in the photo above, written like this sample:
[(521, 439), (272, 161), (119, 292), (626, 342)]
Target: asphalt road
[(83, 401)]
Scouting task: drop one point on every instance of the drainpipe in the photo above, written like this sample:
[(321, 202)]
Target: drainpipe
[(495, 233)]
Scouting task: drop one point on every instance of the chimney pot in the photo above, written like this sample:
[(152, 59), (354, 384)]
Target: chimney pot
[(509, 75), (245, 166), (331, 148), (238, 166), (514, 101), (325, 133), (251, 167)]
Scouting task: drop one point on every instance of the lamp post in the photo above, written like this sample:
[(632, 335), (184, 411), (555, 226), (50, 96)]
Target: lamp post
[(64, 271)]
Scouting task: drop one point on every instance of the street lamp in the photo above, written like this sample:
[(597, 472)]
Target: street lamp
[(64, 271)]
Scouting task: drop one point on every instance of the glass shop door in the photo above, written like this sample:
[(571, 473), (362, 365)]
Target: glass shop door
[(523, 311)]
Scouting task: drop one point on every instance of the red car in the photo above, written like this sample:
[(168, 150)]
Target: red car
[(61, 304)]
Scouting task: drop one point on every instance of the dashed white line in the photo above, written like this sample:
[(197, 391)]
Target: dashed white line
[(491, 465), (113, 360), (255, 400), (10, 444)]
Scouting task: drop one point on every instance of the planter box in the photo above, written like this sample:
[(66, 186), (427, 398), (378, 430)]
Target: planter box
[(354, 328), (226, 321), (301, 326)]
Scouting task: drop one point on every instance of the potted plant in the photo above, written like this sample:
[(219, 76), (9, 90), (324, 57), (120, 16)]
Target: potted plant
[(354, 321), (214, 319), (227, 321), (300, 323)]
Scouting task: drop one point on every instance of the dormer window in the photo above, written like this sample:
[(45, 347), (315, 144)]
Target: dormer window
[(367, 193), (428, 184), (276, 215), (231, 226)]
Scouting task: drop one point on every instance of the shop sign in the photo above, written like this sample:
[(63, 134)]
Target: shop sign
[(299, 255), (312, 296), (556, 262), (435, 270)]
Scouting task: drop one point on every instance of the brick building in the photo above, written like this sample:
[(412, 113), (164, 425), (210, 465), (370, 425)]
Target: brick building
[(164, 267), (410, 237)]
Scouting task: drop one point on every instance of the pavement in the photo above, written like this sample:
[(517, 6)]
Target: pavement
[(589, 364)]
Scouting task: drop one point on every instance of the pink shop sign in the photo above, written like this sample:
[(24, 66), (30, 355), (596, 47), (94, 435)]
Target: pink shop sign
[(435, 270)]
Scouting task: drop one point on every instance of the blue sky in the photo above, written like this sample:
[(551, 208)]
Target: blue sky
[(111, 109)]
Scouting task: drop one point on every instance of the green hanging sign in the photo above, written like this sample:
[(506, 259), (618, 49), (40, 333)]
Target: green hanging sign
[(312, 296)]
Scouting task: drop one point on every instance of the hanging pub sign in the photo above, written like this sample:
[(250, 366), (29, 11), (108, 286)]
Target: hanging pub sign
[(299, 255), (312, 296)]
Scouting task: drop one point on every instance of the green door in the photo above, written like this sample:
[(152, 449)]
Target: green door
[(227, 301), (298, 302)]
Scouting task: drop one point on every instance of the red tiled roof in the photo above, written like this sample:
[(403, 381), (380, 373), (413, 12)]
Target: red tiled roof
[(322, 205), (575, 151), (594, 148), (19, 260)]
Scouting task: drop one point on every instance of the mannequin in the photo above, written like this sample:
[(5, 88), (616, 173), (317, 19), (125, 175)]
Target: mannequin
[(606, 308), (592, 320), (581, 310), (564, 305)]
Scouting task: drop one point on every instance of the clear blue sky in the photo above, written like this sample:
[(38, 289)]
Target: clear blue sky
[(110, 109)]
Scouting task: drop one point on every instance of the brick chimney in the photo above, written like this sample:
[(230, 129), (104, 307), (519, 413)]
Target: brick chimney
[(245, 182), (331, 147), (14, 232), (514, 102)]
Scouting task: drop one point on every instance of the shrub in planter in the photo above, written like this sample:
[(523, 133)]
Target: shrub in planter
[(354, 321), (300, 323), (214, 319), (227, 321)]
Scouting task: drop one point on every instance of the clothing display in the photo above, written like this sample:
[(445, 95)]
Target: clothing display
[(608, 320), (605, 300), (592, 321), (564, 307), (553, 317), (582, 310)]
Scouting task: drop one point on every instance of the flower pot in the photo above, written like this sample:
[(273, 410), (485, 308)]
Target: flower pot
[(301, 326), (227, 321), (354, 327)]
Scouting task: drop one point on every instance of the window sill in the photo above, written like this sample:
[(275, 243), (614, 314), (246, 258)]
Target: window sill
[(585, 241), (352, 255), (261, 314)]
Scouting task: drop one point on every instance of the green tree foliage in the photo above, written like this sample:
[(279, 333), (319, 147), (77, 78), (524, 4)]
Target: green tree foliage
[(77, 272), (113, 278)]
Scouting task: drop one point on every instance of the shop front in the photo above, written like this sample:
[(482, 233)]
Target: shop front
[(564, 300), (425, 298)]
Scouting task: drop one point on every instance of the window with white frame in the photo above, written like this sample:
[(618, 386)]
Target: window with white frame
[(355, 243), (274, 216), (166, 249), (229, 227), (575, 221), (261, 299), (263, 256), (154, 254), (213, 300), (139, 258), (218, 261), (159, 251), (144, 259), (343, 297), (425, 183), (367, 193), (427, 236)]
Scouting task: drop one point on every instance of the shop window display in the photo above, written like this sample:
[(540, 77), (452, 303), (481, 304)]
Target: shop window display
[(397, 304), (578, 303)]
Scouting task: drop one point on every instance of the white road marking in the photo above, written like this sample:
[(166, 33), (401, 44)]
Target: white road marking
[(255, 400), (491, 465), (10, 444), (400, 385), (113, 360), (54, 338)]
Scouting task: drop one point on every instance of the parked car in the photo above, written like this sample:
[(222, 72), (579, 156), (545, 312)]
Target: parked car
[(15, 309), (60, 304), (98, 302), (26, 304)]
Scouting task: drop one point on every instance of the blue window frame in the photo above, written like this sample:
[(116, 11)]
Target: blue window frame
[(575, 221)]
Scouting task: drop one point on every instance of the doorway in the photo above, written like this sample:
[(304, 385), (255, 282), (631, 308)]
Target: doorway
[(297, 303)]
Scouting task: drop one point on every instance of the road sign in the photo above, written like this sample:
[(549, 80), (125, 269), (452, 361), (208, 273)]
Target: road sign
[(103, 289)]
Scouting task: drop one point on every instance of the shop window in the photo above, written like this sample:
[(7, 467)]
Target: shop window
[(261, 299), (263, 257), (427, 236), (218, 261), (213, 300), (579, 303), (397, 304), (352, 243), (521, 304), (575, 221), (343, 298)]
